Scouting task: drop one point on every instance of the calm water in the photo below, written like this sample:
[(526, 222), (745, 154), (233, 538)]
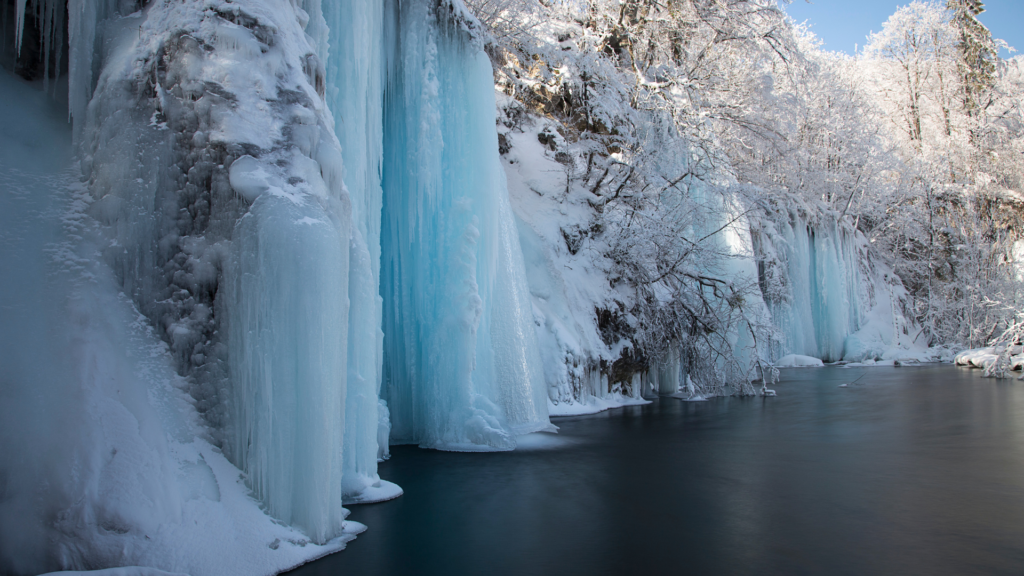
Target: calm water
[(909, 471)]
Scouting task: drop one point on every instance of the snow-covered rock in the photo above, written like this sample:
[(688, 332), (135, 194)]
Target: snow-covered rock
[(986, 357)]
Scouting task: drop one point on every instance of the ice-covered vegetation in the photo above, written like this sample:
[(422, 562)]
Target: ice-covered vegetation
[(300, 231), (748, 195)]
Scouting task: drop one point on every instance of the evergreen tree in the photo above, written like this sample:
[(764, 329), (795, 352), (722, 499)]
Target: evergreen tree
[(977, 54)]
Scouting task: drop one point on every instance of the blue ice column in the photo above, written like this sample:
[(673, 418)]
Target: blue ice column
[(824, 308), (287, 323), (462, 370), (355, 95)]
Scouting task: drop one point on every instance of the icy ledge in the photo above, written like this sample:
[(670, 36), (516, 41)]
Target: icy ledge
[(122, 571), (594, 404), (798, 361)]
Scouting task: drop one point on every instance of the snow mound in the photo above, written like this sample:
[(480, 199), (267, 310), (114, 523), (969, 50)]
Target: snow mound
[(798, 361), (694, 398), (380, 492)]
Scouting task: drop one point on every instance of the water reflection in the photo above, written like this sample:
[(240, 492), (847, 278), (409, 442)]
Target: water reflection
[(910, 470)]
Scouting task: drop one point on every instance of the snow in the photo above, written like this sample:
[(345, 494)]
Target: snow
[(564, 287), (379, 491), (987, 357), (797, 360), (821, 292)]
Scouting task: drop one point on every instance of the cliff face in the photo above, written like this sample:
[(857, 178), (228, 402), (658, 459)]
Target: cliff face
[(212, 159)]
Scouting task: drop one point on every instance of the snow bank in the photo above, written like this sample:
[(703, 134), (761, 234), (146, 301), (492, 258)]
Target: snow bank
[(595, 404)]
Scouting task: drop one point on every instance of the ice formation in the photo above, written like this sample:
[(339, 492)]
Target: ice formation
[(239, 161), (812, 287), (460, 356), (355, 72), (829, 297), (798, 361), (305, 209)]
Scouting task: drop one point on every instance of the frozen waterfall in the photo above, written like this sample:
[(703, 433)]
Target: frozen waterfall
[(461, 366), (825, 307), (287, 356), (241, 161), (828, 297)]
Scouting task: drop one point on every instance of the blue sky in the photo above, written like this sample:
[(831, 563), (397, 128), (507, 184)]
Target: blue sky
[(844, 24)]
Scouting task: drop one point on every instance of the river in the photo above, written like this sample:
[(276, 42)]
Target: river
[(910, 470)]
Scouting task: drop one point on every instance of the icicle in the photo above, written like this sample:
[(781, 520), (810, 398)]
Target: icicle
[(19, 23), (84, 17), (49, 17), (669, 372), (355, 95), (823, 305)]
